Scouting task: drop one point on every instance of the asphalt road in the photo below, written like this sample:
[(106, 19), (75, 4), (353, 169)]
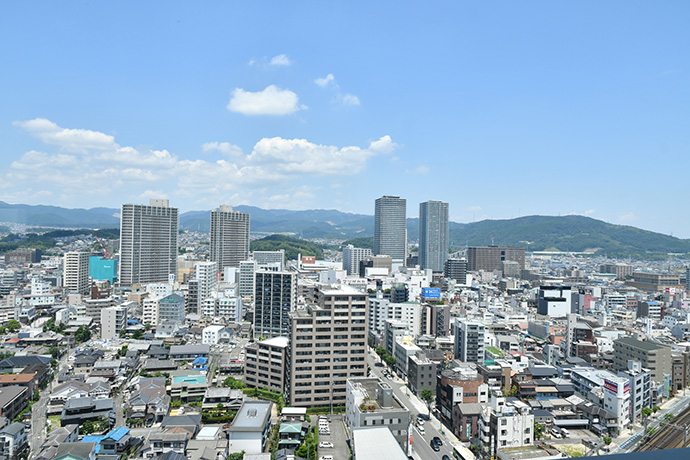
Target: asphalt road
[(39, 430)]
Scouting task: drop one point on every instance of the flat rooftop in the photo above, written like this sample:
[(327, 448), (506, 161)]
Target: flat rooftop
[(528, 452), (376, 443)]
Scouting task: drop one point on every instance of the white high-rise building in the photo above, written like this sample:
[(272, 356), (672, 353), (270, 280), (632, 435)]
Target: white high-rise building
[(151, 310), (433, 235), (469, 340), (113, 321), (247, 270), (390, 227), (229, 237), (352, 256), (148, 243), (76, 274), (381, 309), (206, 276)]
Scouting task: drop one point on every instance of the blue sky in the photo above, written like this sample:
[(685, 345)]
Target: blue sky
[(501, 109)]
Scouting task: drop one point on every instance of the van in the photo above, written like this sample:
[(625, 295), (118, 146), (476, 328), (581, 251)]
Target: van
[(565, 432), (421, 430), (556, 433)]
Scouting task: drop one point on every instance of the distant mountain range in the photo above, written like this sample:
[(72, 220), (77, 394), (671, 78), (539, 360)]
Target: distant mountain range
[(537, 233)]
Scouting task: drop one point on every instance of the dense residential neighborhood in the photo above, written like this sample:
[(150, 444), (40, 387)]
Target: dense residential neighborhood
[(213, 350)]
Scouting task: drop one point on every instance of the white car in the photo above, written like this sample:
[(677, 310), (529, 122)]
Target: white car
[(326, 445), (326, 457)]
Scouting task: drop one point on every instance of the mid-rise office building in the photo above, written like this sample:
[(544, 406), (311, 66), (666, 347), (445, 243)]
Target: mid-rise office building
[(555, 301), (274, 299), (328, 345), (469, 340), (489, 258), (270, 259), (390, 227), (651, 355), (76, 274), (456, 269), (433, 235), (148, 243), (229, 237), (113, 321), (352, 256), (371, 402)]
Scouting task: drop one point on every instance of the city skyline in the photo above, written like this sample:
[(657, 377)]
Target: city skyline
[(537, 109)]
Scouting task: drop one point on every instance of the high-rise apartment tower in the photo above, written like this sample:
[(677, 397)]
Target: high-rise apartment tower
[(76, 274), (229, 237), (148, 243)]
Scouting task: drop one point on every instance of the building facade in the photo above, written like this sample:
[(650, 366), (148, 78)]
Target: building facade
[(229, 237), (433, 235), (390, 227), (76, 274), (490, 258), (274, 299), (148, 243), (328, 345)]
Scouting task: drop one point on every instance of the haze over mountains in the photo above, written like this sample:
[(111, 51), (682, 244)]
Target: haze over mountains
[(537, 233)]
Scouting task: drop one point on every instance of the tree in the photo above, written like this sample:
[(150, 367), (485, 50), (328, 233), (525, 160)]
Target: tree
[(646, 412), (607, 440), (138, 334), (427, 395), (54, 352), (83, 334), (538, 431), (13, 325), (656, 409)]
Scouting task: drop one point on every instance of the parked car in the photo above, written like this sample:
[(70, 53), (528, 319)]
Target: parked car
[(326, 445)]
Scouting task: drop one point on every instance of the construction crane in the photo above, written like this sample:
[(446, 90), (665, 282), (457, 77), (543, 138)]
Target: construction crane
[(105, 251)]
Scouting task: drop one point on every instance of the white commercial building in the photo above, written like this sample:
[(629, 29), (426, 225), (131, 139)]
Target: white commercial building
[(211, 335)]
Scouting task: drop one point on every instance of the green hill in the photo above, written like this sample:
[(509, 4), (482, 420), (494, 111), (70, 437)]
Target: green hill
[(293, 246), (568, 233)]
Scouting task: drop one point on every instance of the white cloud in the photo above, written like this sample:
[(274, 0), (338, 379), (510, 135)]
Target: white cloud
[(271, 101), (325, 81), (383, 145), (226, 148), (96, 174), (629, 217), (421, 169), (346, 99), (299, 156), (72, 140), (280, 60), (349, 99)]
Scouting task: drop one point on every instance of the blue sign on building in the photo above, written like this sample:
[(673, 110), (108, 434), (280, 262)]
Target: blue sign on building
[(431, 293)]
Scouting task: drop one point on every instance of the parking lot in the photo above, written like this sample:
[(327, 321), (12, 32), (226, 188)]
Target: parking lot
[(337, 436)]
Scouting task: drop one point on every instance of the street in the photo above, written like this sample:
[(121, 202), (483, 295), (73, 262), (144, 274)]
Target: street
[(420, 444)]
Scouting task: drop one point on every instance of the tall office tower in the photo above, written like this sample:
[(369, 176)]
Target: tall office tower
[(76, 274), (433, 235), (328, 345), (206, 276), (490, 258), (148, 243), (469, 340), (352, 256), (390, 231), (274, 299), (229, 237)]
